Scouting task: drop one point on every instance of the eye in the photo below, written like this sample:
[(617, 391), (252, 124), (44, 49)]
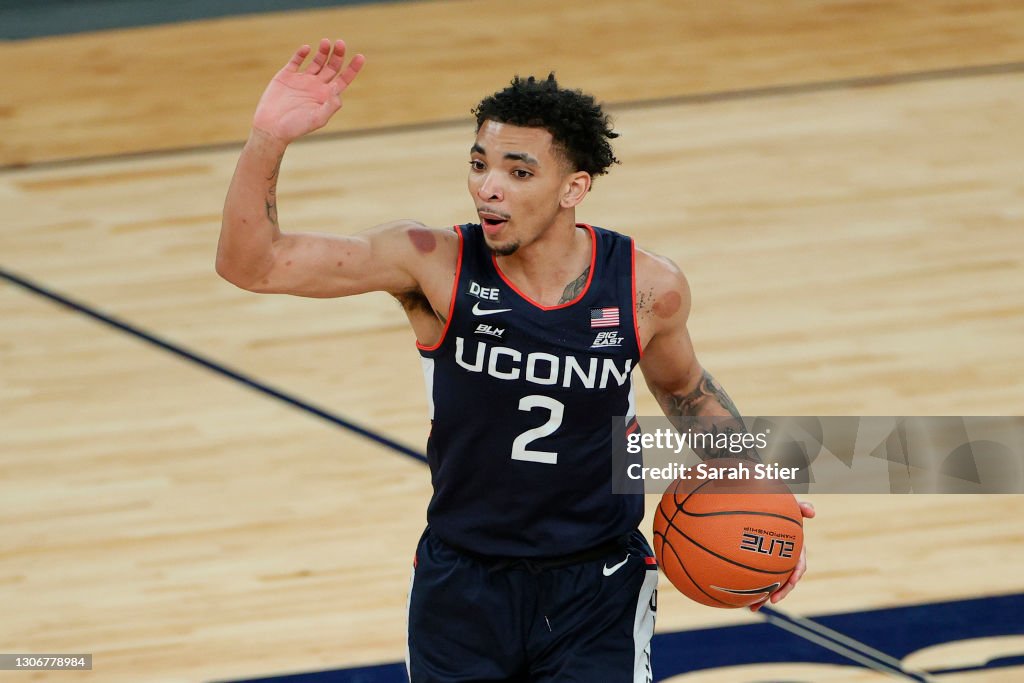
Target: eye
[(521, 174), (476, 164)]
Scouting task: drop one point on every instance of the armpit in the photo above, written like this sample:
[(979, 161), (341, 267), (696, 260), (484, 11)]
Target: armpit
[(414, 300)]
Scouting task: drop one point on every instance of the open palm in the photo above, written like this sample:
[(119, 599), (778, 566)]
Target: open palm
[(299, 102)]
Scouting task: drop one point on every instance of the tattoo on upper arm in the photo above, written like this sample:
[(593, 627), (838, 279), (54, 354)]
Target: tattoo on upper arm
[(644, 303), (573, 289)]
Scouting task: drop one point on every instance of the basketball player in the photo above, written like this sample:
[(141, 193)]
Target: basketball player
[(528, 325)]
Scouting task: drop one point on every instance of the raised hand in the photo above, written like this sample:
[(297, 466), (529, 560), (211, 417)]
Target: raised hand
[(300, 101)]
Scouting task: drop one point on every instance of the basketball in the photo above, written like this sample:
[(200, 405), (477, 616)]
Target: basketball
[(728, 540)]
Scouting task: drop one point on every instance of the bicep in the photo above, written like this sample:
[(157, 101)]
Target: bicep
[(675, 377), (670, 365), (679, 382)]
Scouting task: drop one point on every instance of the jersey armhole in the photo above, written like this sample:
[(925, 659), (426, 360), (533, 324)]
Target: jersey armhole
[(451, 304), (636, 314)]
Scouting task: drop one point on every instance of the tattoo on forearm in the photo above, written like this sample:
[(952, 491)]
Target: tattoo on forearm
[(270, 201), (271, 205), (709, 399), (708, 393), (277, 169), (573, 289)]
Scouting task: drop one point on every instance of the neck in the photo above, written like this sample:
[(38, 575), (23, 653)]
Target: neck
[(543, 268)]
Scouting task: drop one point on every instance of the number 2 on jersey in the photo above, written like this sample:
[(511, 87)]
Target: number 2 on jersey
[(554, 421)]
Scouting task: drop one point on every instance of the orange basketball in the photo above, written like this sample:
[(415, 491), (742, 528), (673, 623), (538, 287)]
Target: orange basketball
[(727, 542)]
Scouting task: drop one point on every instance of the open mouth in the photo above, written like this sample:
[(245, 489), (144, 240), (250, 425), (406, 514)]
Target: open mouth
[(492, 221)]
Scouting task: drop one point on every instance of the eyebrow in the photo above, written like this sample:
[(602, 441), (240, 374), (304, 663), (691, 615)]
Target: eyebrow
[(510, 156)]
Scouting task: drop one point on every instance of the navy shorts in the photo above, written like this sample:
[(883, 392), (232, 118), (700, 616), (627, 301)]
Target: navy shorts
[(483, 619)]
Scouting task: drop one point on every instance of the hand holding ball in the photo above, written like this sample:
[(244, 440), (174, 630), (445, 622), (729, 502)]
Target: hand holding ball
[(728, 541)]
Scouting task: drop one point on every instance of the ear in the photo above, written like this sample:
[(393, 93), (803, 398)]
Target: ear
[(575, 189)]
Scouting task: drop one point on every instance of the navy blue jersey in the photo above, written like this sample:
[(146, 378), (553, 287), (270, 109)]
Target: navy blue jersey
[(522, 398)]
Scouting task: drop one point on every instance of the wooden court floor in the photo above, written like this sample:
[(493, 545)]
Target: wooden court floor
[(841, 182)]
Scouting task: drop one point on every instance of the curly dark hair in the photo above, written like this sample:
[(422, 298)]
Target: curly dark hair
[(575, 120)]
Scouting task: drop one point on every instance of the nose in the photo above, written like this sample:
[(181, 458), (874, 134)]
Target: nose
[(490, 188)]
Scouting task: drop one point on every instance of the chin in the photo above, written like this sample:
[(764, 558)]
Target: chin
[(506, 249)]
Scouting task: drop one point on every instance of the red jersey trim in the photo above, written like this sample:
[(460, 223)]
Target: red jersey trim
[(451, 304), (583, 293), (636, 314)]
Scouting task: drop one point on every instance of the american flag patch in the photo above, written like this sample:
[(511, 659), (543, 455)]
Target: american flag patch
[(604, 317)]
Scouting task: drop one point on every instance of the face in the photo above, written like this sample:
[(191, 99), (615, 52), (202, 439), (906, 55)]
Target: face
[(520, 183)]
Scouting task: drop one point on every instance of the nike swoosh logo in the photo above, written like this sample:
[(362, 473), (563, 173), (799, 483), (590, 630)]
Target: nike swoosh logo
[(608, 571), (488, 311), (771, 588)]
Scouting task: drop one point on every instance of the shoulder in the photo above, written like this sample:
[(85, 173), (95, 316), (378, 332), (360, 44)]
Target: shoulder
[(430, 256), (417, 248), (415, 236), (662, 291)]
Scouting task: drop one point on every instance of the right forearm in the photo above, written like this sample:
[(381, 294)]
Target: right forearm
[(249, 224)]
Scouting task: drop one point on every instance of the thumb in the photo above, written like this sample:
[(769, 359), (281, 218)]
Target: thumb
[(330, 105), (326, 110)]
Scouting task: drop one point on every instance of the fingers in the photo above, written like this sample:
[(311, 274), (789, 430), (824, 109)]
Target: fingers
[(807, 510), (781, 593), (794, 578), (327, 63), (320, 58), (786, 589), (351, 71), (297, 59), (791, 584), (801, 567), (334, 62)]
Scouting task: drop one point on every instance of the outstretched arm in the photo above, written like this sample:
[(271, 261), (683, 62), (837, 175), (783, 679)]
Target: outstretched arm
[(253, 252)]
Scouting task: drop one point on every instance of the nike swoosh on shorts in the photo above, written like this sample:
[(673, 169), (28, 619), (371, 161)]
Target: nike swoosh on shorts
[(608, 571)]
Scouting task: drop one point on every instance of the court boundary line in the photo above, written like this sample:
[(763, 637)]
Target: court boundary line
[(841, 644), (781, 90), (210, 364)]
